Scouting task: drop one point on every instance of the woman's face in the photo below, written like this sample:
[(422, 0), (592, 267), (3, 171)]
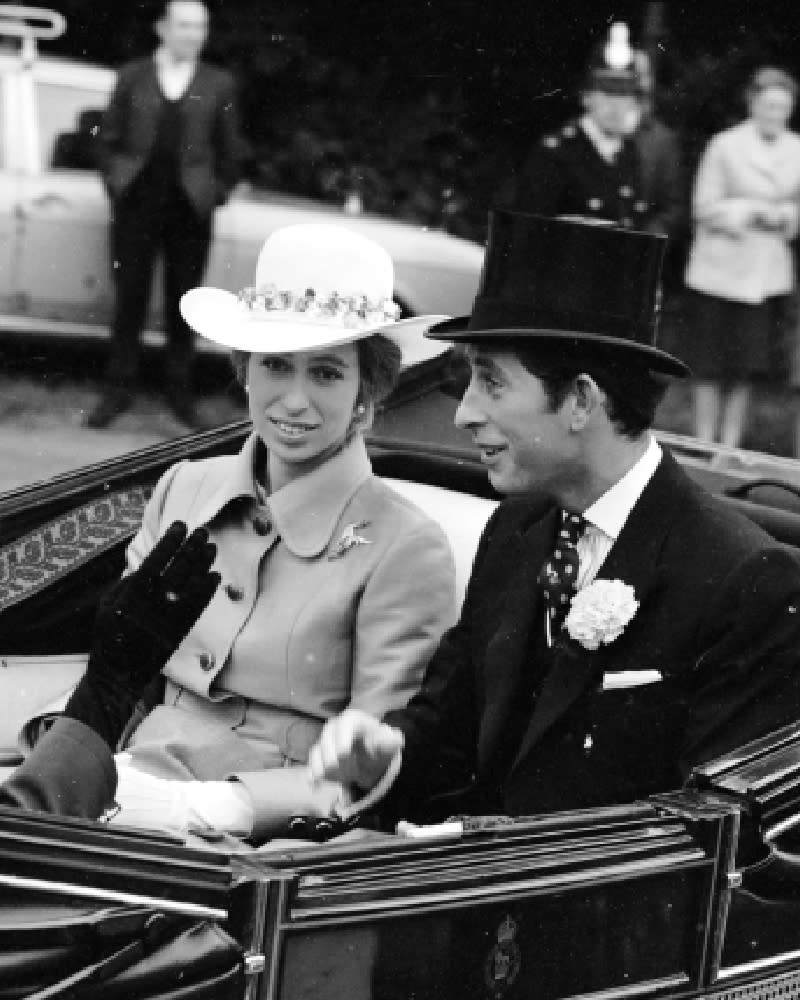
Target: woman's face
[(302, 405), (771, 109)]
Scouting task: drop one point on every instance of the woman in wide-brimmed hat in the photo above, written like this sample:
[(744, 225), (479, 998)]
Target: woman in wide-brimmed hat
[(335, 589)]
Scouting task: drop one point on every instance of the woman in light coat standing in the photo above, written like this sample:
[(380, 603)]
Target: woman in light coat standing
[(741, 267), (334, 589)]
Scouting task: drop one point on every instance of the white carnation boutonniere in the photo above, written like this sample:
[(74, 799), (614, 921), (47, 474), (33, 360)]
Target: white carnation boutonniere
[(600, 613), (349, 539)]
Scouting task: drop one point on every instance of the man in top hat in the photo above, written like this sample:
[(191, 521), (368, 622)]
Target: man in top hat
[(591, 167), (620, 624), (171, 150)]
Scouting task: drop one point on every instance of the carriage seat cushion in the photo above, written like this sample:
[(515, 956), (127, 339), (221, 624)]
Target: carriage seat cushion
[(461, 515)]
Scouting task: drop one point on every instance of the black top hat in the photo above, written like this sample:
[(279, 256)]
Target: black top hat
[(578, 283), (612, 67)]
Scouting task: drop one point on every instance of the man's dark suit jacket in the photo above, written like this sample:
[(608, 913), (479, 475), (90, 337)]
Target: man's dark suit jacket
[(660, 163), (70, 772), (530, 729), (210, 141)]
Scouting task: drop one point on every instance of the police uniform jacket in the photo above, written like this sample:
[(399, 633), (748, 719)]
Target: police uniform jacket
[(566, 175), (335, 591), (710, 660), (210, 143)]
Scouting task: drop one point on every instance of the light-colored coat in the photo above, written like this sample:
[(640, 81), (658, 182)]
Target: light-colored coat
[(735, 255), (334, 592)]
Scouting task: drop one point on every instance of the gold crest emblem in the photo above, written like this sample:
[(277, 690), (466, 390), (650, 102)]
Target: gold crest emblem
[(504, 960)]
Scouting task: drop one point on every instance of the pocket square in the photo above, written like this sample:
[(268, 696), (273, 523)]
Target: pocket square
[(615, 680)]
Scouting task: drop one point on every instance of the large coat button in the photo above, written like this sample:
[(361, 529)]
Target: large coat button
[(234, 593), (207, 661)]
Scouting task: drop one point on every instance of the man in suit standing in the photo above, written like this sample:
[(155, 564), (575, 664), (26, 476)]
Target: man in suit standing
[(620, 624), (171, 151)]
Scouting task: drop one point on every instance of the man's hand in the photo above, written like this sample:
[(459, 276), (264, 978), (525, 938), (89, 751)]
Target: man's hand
[(140, 623), (355, 749)]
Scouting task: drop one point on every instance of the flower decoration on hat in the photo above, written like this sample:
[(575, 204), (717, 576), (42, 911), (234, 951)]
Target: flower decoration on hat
[(350, 311)]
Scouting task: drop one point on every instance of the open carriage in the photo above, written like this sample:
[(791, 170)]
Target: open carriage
[(683, 894)]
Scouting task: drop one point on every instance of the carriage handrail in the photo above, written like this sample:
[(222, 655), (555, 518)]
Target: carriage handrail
[(18, 21), (29, 25)]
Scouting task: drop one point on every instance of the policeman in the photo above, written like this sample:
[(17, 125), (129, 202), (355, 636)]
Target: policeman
[(590, 167)]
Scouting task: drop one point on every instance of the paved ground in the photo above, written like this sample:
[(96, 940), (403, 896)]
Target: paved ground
[(42, 431)]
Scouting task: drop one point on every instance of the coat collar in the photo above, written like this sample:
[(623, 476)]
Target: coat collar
[(634, 558), (775, 160), (306, 511)]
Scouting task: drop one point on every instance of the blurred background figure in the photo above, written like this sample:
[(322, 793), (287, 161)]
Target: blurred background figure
[(741, 268), (171, 150), (590, 167), (660, 157)]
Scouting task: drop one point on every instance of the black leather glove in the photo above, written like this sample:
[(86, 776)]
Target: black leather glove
[(140, 623)]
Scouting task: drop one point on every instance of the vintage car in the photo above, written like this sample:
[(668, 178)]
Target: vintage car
[(685, 894), (55, 273)]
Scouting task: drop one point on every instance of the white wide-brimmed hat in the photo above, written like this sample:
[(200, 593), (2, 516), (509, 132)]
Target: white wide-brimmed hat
[(316, 285)]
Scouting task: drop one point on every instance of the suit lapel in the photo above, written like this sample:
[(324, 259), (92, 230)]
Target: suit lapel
[(634, 560), (508, 650), (199, 83), (150, 82)]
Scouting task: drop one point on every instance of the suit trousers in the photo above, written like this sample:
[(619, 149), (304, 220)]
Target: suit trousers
[(149, 220)]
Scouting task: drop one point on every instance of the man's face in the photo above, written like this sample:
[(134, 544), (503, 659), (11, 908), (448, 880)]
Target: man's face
[(184, 29), (614, 114), (525, 444)]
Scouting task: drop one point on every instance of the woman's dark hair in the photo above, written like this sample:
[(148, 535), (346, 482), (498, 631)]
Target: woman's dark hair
[(770, 76), (379, 361), (633, 390)]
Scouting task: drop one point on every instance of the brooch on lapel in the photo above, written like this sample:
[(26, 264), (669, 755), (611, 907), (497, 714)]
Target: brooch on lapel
[(600, 613), (350, 539)]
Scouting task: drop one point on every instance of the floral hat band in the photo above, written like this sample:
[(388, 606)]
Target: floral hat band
[(352, 312)]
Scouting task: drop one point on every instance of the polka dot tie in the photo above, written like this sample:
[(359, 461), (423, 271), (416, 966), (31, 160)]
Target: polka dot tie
[(558, 577)]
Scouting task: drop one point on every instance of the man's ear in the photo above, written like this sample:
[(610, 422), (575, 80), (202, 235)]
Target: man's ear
[(586, 400)]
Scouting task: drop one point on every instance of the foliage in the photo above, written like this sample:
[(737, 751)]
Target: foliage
[(423, 109)]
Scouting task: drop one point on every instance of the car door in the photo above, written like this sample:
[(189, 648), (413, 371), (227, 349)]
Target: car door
[(8, 192), (62, 268)]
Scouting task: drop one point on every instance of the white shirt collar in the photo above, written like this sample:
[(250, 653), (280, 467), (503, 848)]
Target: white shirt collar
[(173, 77), (610, 511), (607, 146)]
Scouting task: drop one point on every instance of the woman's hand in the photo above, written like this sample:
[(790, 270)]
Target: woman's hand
[(140, 623), (144, 618), (354, 748)]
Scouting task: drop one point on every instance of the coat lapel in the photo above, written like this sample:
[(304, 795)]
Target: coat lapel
[(633, 559), (508, 650)]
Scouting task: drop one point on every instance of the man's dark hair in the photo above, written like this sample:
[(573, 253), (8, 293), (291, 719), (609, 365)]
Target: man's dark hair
[(632, 389), (164, 9)]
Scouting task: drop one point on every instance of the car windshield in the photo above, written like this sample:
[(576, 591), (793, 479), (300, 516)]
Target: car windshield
[(418, 183)]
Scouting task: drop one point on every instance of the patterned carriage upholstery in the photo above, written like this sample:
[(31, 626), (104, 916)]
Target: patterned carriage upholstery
[(51, 551)]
